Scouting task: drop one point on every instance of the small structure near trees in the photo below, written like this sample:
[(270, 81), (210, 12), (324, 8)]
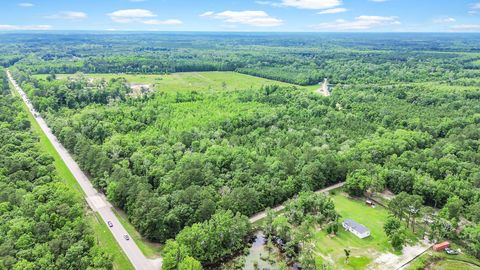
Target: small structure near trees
[(356, 228), (370, 203), (441, 246)]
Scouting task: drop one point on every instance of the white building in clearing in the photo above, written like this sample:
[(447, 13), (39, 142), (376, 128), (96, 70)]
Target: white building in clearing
[(356, 228)]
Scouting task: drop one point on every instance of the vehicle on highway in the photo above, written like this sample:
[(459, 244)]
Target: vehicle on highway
[(126, 237), (110, 224)]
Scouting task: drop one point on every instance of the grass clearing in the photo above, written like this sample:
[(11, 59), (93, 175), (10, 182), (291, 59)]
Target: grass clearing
[(193, 81), (150, 249), (363, 251), (102, 234), (46, 146), (454, 265)]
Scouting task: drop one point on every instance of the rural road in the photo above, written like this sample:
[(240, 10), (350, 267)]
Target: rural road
[(95, 200), (263, 214)]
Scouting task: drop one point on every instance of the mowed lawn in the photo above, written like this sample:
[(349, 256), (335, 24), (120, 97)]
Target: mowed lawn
[(192, 81), (363, 251)]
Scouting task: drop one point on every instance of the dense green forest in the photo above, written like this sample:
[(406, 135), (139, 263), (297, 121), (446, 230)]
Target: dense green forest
[(404, 115), (296, 58), (171, 161), (42, 221)]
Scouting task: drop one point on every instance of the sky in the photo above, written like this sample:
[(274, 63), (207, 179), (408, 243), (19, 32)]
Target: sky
[(243, 15)]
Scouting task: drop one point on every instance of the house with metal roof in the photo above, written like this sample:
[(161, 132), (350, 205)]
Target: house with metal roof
[(356, 228)]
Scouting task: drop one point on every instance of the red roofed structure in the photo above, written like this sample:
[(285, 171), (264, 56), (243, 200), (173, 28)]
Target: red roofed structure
[(441, 246)]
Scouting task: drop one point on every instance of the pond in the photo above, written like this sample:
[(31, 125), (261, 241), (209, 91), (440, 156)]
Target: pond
[(260, 256)]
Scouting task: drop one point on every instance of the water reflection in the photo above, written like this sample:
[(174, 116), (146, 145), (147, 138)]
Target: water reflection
[(261, 256)]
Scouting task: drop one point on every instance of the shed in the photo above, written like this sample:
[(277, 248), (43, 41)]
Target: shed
[(441, 246), (356, 228)]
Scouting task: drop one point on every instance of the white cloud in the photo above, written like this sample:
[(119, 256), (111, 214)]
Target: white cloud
[(247, 17), (130, 15), (207, 13), (474, 8), (165, 22), (442, 20), (68, 15), (332, 11), (264, 2), (269, 3), (466, 28), (9, 27), (311, 4), (144, 16), (26, 5), (360, 23)]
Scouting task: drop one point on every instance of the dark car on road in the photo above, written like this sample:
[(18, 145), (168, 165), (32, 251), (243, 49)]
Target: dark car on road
[(126, 237), (110, 224)]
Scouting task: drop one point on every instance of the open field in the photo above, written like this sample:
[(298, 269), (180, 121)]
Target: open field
[(363, 251), (103, 236), (192, 81)]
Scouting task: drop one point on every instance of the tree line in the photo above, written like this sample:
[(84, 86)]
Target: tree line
[(43, 223), (171, 163)]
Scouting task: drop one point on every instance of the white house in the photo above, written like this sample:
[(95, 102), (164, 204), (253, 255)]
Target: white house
[(356, 228)]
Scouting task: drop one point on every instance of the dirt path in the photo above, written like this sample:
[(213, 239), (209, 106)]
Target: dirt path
[(324, 90), (397, 262), (263, 214)]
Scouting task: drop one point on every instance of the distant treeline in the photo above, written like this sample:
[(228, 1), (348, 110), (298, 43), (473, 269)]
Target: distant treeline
[(306, 61)]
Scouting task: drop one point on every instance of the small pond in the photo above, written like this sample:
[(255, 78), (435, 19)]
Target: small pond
[(260, 256)]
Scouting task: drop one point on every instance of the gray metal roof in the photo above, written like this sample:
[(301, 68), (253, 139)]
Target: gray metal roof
[(356, 226)]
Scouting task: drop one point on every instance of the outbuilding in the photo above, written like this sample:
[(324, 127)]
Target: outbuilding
[(441, 246), (356, 228)]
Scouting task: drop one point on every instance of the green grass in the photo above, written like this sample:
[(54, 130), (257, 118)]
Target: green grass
[(106, 240), (363, 251), (46, 146), (441, 260), (454, 265), (193, 81), (150, 250), (101, 232)]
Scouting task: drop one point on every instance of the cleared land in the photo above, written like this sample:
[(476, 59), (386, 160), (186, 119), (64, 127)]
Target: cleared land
[(363, 251), (192, 81)]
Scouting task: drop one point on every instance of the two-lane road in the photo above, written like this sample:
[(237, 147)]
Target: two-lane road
[(263, 214), (95, 200), (99, 203)]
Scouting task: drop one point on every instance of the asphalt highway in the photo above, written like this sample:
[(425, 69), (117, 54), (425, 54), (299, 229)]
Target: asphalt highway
[(95, 200)]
